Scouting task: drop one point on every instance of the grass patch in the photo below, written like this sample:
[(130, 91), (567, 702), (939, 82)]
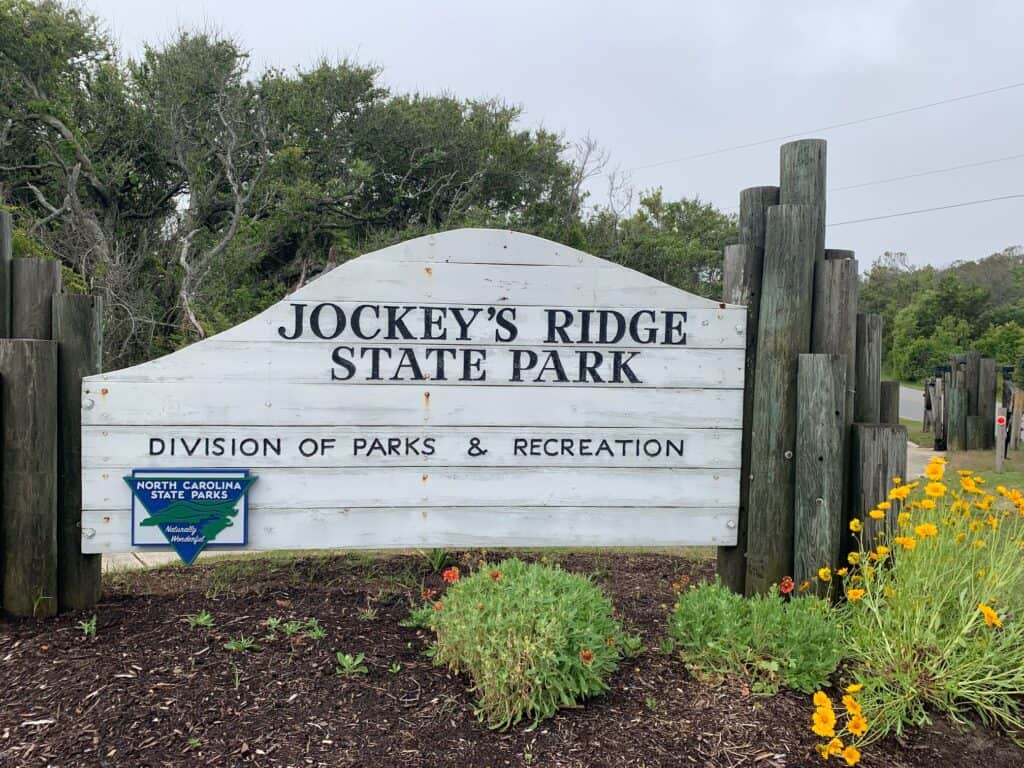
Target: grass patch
[(917, 435)]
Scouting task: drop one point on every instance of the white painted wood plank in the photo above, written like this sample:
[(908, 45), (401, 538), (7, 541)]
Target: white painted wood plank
[(107, 531), (260, 403), (456, 486), (259, 447), (705, 328), (489, 246), (497, 284), (658, 367)]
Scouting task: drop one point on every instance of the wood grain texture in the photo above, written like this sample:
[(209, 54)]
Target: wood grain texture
[(6, 255), (253, 382), (834, 321), (34, 282), (837, 254), (784, 332), (741, 284), (868, 369), (821, 453), (28, 487), (878, 454), (802, 181), (889, 402), (956, 425), (753, 219), (987, 399), (77, 329), (472, 526)]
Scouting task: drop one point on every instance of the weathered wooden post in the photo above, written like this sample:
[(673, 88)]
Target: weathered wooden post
[(1000, 438), (78, 333), (28, 451), (6, 256), (821, 444), (867, 405), (753, 221), (956, 427), (1018, 415), (34, 282), (987, 400), (889, 402), (971, 373), (834, 324), (802, 172), (784, 332), (741, 283), (879, 454)]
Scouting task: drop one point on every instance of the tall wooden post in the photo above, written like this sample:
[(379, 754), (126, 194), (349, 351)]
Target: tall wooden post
[(6, 256), (1000, 438), (77, 331), (889, 403), (867, 405), (28, 451), (971, 374), (987, 400), (956, 426), (820, 463), (741, 282), (34, 282), (1018, 413), (754, 205), (879, 454), (784, 332), (802, 172), (834, 325)]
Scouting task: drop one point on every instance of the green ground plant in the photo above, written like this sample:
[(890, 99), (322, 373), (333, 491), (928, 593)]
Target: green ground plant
[(88, 627), (931, 620), (767, 639), (532, 637), (348, 665), (202, 619)]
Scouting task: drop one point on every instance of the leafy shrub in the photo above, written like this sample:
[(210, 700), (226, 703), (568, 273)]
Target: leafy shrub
[(533, 638), (932, 618), (767, 639)]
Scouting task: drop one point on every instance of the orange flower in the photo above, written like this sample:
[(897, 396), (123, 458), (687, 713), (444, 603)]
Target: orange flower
[(438, 606), (495, 575), (451, 575), (586, 656)]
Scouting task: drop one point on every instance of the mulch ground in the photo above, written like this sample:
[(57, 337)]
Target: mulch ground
[(149, 690)]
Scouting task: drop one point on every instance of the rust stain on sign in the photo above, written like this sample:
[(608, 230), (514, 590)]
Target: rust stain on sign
[(104, 391), (429, 271)]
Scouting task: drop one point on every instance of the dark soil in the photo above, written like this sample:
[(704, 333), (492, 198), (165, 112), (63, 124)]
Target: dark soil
[(149, 690)]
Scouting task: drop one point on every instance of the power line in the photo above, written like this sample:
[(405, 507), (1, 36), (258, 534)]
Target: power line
[(932, 172), (925, 210), (822, 129)]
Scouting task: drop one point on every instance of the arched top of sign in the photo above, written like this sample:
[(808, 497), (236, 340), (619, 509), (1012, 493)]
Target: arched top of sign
[(463, 269), (471, 387)]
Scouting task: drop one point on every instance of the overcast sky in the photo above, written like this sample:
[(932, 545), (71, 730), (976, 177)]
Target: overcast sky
[(654, 81)]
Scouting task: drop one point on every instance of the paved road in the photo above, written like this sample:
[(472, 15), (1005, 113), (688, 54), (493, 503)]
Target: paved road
[(911, 403)]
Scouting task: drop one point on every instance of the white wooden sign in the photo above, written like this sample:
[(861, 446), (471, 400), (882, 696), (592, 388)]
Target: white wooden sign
[(473, 388)]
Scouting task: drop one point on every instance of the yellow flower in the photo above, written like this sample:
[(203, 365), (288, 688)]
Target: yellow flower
[(884, 505), (907, 542), (821, 699), (991, 617), (854, 687), (853, 558), (876, 514), (858, 725), (853, 595), (824, 722), (833, 748), (825, 574), (964, 472), (904, 518), (927, 504), (856, 577), (882, 550), (856, 525), (993, 522), (889, 592), (841, 571), (960, 537), (805, 586), (851, 755), (979, 544), (975, 526), (934, 471), (897, 480), (925, 530), (938, 490), (900, 492), (851, 705)]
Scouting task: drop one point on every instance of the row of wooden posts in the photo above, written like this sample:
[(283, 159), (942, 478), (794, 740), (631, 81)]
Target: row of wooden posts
[(960, 403), (49, 340), (821, 439)]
